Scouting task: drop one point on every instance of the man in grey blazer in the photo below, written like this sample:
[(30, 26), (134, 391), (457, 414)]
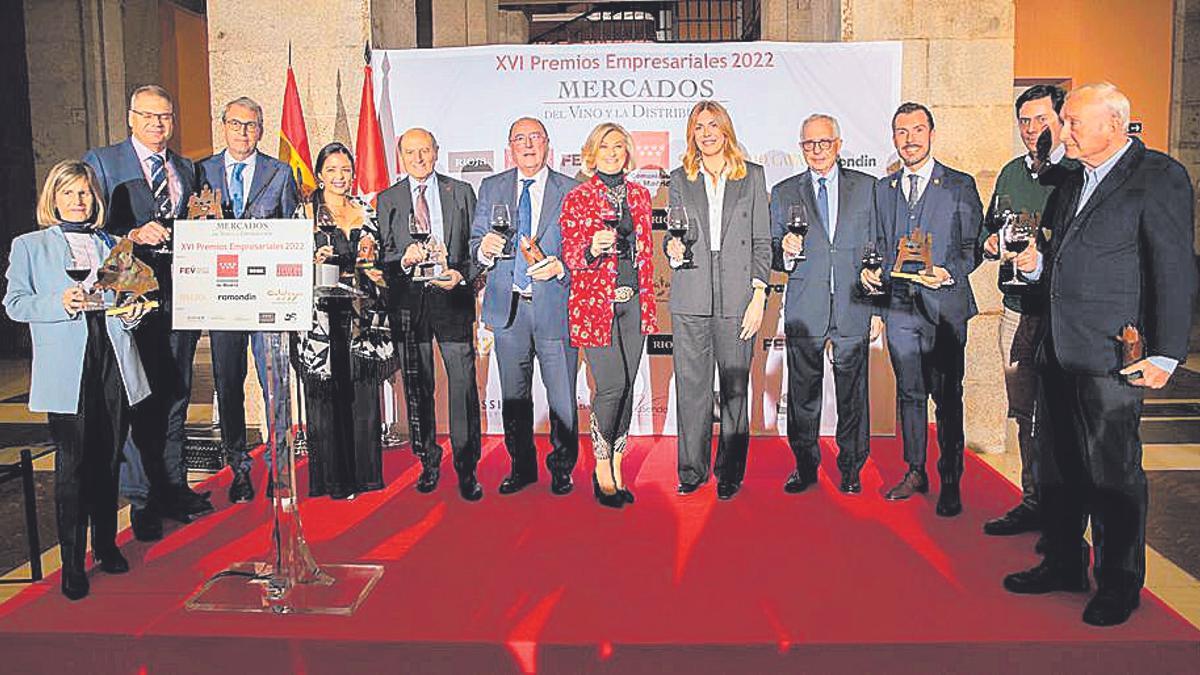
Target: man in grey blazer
[(252, 185), (824, 303), (527, 311), (927, 317), (442, 307), (143, 183)]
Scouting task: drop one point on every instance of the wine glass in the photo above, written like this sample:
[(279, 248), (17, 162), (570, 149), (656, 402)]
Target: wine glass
[(872, 260), (327, 226), (165, 215), (679, 226), (502, 225), (419, 230), (797, 223), (610, 216), (1016, 237), (1002, 214)]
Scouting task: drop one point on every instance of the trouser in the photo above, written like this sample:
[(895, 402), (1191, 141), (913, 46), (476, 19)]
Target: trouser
[(85, 466), (614, 369), (229, 379), (1094, 465), (927, 358), (806, 370), (1018, 345), (516, 346), (154, 466)]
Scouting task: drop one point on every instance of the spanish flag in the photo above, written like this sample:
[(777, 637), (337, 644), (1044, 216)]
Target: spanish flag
[(293, 139), (371, 178)]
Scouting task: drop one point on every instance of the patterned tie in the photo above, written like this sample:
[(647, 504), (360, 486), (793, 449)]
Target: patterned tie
[(823, 206), (524, 227), (158, 185), (422, 209), (237, 189), (913, 179)]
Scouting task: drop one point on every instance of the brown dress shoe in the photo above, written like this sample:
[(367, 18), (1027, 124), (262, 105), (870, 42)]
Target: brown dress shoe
[(914, 481)]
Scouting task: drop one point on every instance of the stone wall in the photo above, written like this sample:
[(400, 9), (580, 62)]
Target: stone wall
[(1185, 111)]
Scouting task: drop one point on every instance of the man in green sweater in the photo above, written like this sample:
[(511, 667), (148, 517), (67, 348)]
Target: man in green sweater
[(1023, 186)]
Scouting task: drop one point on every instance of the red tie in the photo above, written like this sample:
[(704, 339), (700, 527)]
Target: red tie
[(422, 209)]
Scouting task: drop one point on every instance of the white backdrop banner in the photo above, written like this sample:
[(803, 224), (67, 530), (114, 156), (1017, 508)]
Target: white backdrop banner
[(469, 96)]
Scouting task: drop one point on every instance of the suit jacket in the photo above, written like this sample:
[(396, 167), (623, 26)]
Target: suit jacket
[(550, 296), (593, 285), (952, 212), (127, 194), (745, 243), (271, 194), (36, 282), (1126, 258), (807, 306), (454, 310)]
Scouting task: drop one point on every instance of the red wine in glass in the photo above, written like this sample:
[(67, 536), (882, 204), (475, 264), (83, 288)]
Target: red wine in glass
[(502, 225), (797, 224), (79, 274)]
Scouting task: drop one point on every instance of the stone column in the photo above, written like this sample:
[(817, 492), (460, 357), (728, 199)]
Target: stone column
[(1185, 95), (801, 20)]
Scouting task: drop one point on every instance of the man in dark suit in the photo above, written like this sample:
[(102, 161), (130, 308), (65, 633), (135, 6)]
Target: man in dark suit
[(527, 311), (1120, 254), (441, 307), (927, 316), (252, 185), (145, 182), (824, 302)]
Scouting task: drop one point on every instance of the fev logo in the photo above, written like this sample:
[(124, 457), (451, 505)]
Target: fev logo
[(227, 265)]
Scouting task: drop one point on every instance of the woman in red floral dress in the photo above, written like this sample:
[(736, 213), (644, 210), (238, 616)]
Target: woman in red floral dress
[(607, 246)]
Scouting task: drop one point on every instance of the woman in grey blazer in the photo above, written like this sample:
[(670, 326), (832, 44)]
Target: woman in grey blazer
[(86, 370), (717, 300)]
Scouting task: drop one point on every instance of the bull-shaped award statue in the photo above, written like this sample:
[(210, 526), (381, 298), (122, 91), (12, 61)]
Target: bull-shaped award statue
[(206, 205), (130, 279), (916, 247)]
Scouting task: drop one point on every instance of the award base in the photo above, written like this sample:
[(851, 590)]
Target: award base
[(252, 587), (126, 309), (428, 272), (919, 277)]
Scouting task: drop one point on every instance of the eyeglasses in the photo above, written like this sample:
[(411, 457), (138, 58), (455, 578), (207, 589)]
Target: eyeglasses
[(162, 118), (824, 144), (534, 138), (238, 126)]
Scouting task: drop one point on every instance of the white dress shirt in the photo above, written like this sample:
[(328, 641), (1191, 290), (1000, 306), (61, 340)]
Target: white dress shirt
[(174, 185), (247, 176), (433, 199), (924, 174), (716, 204)]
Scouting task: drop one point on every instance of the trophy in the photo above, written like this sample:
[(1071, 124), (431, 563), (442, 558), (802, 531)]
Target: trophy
[(1132, 348), (534, 256), (129, 278), (915, 247), (206, 205), (429, 269)]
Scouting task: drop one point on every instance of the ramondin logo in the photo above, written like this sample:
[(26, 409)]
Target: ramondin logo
[(239, 297)]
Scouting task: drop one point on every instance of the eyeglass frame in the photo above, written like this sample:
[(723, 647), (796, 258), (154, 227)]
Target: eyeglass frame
[(238, 126), (534, 137), (824, 144), (160, 117)]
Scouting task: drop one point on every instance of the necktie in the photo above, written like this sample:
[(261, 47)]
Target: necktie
[(422, 209), (158, 185), (823, 206), (524, 227), (237, 189), (912, 191)]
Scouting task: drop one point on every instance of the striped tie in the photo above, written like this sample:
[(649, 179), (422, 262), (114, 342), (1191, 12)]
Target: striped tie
[(158, 185)]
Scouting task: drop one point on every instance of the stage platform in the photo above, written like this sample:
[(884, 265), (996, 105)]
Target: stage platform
[(767, 582)]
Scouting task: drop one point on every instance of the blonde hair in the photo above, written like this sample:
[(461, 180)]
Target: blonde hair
[(592, 146), (63, 174), (735, 159)]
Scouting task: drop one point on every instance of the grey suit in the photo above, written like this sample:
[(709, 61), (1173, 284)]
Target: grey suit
[(707, 305), (816, 313)]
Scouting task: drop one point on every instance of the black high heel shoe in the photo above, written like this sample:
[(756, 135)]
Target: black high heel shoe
[(626, 495), (613, 501)]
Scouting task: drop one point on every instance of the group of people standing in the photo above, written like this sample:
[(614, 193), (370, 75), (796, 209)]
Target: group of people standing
[(1113, 248)]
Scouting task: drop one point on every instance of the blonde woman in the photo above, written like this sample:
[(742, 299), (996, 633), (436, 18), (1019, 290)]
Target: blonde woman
[(716, 303), (86, 370)]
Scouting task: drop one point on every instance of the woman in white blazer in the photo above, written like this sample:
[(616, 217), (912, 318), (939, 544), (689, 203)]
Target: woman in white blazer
[(86, 371)]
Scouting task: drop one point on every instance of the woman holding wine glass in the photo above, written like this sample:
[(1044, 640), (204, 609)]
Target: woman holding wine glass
[(717, 306), (349, 352), (86, 369), (607, 246)]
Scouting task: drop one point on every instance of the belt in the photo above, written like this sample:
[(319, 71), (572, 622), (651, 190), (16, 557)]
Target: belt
[(623, 294), (522, 296)]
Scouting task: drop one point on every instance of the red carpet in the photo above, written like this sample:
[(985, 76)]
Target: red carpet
[(819, 582)]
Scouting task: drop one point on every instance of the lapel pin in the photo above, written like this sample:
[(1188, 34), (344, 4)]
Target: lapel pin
[(893, 184), (937, 181)]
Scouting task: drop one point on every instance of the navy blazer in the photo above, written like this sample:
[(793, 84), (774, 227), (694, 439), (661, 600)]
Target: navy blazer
[(550, 296), (952, 212), (807, 306), (272, 192), (127, 193), (1126, 258)]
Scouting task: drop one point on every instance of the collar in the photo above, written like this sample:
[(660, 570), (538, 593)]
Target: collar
[(538, 178), (925, 172), (144, 153), (704, 170), (249, 161), (429, 180), (1101, 171), (830, 178)]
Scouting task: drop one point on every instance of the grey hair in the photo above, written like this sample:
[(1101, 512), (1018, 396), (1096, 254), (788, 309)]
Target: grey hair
[(153, 90), (245, 102), (530, 119), (418, 130), (1112, 98), (837, 128)]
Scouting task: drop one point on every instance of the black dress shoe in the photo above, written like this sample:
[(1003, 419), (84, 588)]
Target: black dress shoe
[(798, 482), (913, 482), (469, 488), (428, 480), (146, 524), (1048, 578), (685, 488), (727, 489), (1022, 518), (515, 483), (241, 490), (1110, 607), (851, 484), (949, 502), (560, 483), (75, 585), (111, 561)]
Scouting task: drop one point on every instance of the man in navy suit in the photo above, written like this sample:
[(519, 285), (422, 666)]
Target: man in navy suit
[(927, 316), (252, 185), (527, 311), (824, 303), (440, 307), (146, 183)]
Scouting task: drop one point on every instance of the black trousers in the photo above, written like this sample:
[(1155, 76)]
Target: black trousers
[(806, 370), (1093, 465), (615, 370), (89, 445)]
